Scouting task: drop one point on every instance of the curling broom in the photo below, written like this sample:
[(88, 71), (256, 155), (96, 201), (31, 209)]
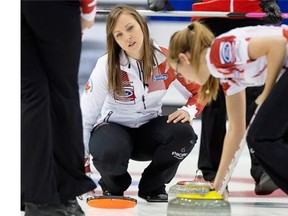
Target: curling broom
[(236, 157), (151, 13)]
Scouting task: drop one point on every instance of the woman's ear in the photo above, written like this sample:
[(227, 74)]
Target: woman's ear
[(184, 58)]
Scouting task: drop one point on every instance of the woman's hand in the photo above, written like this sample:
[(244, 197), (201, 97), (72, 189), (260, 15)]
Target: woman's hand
[(260, 99), (86, 24), (179, 115)]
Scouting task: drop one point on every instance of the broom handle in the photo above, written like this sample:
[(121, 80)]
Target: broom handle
[(236, 157), (194, 13)]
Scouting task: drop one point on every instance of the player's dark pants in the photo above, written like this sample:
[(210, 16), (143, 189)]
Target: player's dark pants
[(52, 151), (268, 135), (165, 144), (214, 115)]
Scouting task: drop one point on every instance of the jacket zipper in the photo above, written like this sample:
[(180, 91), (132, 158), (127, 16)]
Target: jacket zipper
[(108, 116), (143, 100), (141, 77)]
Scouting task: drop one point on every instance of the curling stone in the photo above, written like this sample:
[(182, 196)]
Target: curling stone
[(197, 186), (209, 204)]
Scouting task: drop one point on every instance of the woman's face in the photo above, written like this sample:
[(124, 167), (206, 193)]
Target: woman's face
[(129, 36), (183, 68)]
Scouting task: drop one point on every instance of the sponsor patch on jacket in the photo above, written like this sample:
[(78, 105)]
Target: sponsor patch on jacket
[(222, 53), (160, 77), (226, 55), (127, 96), (89, 86)]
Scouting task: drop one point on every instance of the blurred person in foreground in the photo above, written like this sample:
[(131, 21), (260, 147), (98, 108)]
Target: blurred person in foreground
[(52, 150)]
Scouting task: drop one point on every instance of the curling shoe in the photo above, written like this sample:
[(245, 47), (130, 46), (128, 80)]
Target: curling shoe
[(265, 186), (44, 210), (73, 208), (106, 192), (154, 197)]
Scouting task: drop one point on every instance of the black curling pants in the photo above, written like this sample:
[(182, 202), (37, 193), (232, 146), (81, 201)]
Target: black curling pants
[(214, 115), (166, 145), (52, 150), (268, 134)]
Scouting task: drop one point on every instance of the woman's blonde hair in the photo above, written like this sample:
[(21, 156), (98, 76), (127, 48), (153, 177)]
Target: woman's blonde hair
[(194, 39), (113, 49)]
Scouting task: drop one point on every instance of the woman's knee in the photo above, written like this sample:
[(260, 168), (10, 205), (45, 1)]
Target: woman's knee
[(110, 153), (185, 132), (109, 137), (184, 138)]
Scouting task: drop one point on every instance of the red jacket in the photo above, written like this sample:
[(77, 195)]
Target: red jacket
[(88, 9), (228, 6)]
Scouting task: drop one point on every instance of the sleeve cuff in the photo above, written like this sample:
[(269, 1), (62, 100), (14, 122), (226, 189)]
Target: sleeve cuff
[(90, 16), (191, 110)]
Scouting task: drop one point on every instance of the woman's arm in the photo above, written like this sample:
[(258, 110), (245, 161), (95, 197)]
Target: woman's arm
[(92, 99), (88, 13), (274, 48), (192, 108), (236, 112)]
